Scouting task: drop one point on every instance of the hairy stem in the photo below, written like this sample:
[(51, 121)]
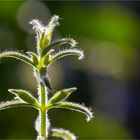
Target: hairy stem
[(43, 94), (43, 124), (43, 112)]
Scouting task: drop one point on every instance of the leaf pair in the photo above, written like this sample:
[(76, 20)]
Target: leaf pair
[(57, 101), (47, 59), (49, 55)]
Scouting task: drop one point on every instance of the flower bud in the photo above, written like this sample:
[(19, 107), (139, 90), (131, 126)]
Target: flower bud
[(44, 33)]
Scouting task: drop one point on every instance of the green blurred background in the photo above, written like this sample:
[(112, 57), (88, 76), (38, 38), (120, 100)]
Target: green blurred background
[(108, 78)]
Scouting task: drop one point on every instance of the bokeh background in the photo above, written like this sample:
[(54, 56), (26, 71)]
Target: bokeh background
[(108, 79)]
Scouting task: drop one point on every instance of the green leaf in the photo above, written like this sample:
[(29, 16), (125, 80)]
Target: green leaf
[(61, 133), (75, 107), (24, 96), (59, 42), (17, 55), (34, 57), (66, 52), (61, 95), (13, 103)]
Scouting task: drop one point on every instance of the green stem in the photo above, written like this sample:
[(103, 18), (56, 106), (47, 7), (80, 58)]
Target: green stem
[(43, 101), (43, 124), (43, 96), (43, 110)]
